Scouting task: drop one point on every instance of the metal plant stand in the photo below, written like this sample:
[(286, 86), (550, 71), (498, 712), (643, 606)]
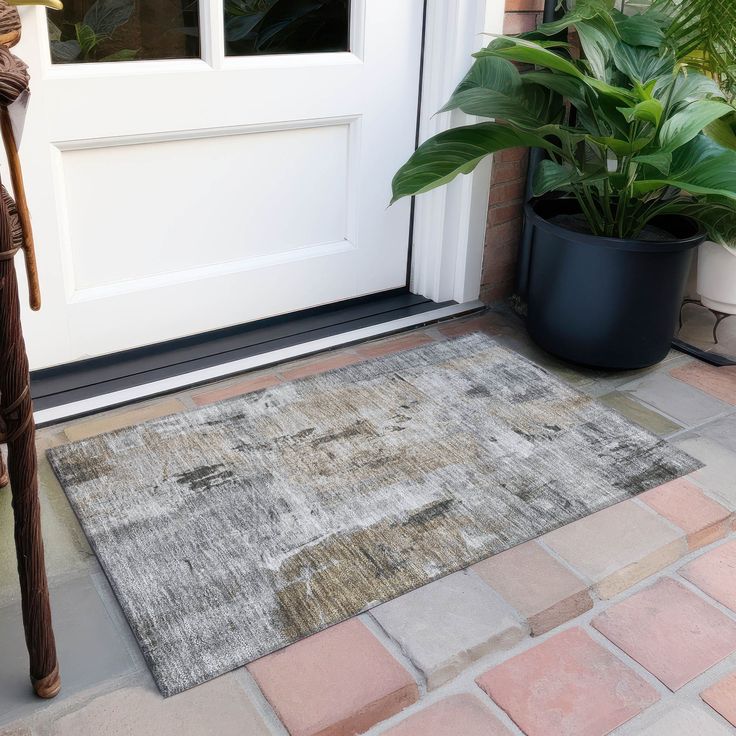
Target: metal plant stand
[(17, 428)]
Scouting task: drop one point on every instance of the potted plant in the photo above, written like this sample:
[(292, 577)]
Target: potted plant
[(632, 167)]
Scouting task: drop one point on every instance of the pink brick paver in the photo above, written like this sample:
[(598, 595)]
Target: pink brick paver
[(670, 631), (543, 590), (325, 363), (718, 382), (245, 386), (395, 345), (567, 686), (685, 505), (341, 681), (459, 715), (721, 696), (715, 574)]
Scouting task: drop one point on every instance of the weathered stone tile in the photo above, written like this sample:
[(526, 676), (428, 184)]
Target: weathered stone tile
[(567, 685), (721, 696), (717, 477), (220, 706), (718, 382), (715, 573), (640, 414), (617, 547), (685, 404), (685, 505), (66, 548), (340, 681), (444, 626), (543, 590), (670, 631), (454, 716), (90, 649), (117, 419), (722, 431)]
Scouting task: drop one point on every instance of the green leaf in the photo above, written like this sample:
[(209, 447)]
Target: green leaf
[(493, 89), (699, 167), (650, 111), (688, 88), (86, 38), (641, 30), (551, 176), (662, 161), (554, 177), (457, 151), (122, 55), (106, 16), (568, 87), (528, 52), (689, 122), (643, 65), (723, 131), (622, 148), (598, 41), (65, 52)]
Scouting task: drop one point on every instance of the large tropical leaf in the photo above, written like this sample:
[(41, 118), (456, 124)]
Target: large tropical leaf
[(105, 16), (553, 177), (683, 126), (699, 167), (457, 151), (529, 52), (641, 30), (642, 64), (493, 89)]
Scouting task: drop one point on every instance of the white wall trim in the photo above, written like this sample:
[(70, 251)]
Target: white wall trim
[(450, 222)]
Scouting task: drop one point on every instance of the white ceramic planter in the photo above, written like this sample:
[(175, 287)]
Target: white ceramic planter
[(717, 277)]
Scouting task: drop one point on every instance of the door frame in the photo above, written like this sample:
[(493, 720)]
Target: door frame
[(450, 223)]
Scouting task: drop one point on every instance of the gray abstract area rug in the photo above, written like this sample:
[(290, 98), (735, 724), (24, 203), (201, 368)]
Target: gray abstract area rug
[(233, 530)]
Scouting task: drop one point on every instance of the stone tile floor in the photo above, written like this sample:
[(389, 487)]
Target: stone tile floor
[(623, 622)]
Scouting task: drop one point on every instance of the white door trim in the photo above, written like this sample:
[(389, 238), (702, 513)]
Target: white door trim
[(450, 222)]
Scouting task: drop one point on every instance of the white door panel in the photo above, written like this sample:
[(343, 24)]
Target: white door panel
[(175, 197)]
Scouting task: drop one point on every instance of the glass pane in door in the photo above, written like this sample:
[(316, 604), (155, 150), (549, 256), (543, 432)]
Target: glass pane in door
[(124, 30), (286, 26)]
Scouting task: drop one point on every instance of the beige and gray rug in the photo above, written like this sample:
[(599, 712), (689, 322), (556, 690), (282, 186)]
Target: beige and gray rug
[(231, 531)]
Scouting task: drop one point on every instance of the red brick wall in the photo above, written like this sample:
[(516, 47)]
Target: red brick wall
[(503, 227)]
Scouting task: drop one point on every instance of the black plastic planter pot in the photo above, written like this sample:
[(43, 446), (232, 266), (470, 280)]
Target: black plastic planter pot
[(606, 302)]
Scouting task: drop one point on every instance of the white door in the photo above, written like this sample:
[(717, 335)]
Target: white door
[(238, 168)]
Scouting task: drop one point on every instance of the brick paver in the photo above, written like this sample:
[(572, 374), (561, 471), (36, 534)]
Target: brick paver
[(340, 681), (718, 382), (670, 631), (459, 715), (134, 711), (379, 348), (684, 504), (239, 388), (542, 589), (446, 625), (715, 573), (618, 547), (328, 362), (567, 686), (721, 696)]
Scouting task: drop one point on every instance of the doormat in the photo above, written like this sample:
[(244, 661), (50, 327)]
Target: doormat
[(234, 530)]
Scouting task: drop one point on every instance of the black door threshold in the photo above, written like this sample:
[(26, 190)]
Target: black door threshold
[(111, 374)]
